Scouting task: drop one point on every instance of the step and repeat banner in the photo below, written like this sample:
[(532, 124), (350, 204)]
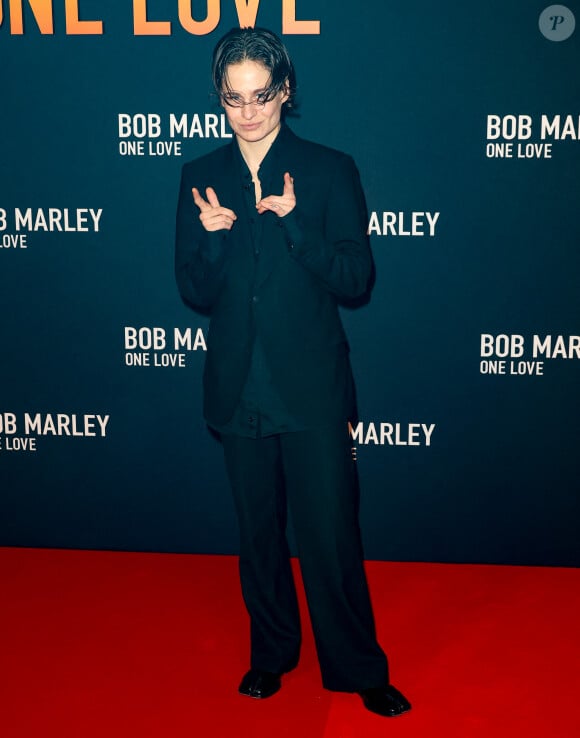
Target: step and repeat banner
[(465, 125)]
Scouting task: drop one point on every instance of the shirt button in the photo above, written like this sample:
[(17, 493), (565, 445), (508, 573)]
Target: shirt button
[(255, 298), (251, 420)]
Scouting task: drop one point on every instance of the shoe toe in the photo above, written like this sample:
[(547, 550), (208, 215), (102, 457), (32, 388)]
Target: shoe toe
[(386, 701), (259, 684)]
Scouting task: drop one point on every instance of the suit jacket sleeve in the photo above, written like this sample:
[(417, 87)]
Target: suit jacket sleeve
[(200, 256), (337, 253)]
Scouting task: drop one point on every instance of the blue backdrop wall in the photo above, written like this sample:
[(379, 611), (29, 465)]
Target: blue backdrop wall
[(465, 125)]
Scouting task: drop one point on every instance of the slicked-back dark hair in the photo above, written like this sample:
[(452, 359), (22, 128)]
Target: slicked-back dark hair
[(258, 45)]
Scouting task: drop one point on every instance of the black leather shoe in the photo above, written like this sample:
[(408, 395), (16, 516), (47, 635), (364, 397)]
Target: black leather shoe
[(260, 684), (386, 701)]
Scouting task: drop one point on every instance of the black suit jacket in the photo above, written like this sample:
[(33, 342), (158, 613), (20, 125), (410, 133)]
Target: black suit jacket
[(311, 259)]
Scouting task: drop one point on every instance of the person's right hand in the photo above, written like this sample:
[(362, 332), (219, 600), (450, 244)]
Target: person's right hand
[(213, 217)]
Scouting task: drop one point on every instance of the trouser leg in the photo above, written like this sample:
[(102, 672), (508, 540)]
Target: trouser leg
[(255, 474), (322, 489)]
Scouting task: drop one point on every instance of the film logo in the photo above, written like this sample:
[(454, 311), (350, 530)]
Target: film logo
[(151, 347), (144, 24), (21, 433), (506, 354), (390, 434), (415, 223), (15, 225), (148, 134), (522, 137)]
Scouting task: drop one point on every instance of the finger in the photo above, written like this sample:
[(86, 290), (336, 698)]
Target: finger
[(288, 184), (212, 198), (217, 214), (218, 224), (264, 204), (214, 220), (269, 204), (199, 201)]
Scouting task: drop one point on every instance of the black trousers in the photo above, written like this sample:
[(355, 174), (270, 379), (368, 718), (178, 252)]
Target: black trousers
[(313, 473)]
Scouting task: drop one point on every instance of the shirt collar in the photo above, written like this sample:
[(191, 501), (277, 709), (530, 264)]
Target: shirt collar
[(267, 164)]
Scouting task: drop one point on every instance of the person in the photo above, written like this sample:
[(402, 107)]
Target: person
[(270, 238)]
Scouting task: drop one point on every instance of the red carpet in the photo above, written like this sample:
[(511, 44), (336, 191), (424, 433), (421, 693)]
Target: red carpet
[(152, 645)]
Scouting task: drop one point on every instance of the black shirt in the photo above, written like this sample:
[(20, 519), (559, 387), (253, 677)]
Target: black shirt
[(260, 411)]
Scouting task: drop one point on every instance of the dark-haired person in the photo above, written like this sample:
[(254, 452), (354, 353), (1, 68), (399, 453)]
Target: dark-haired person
[(271, 235)]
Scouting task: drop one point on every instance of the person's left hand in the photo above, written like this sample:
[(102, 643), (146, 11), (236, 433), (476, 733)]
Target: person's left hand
[(280, 204)]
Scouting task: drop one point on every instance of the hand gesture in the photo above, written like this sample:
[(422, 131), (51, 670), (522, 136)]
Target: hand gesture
[(212, 215), (280, 204)]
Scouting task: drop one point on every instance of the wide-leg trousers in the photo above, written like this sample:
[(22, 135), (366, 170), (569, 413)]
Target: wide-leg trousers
[(314, 474)]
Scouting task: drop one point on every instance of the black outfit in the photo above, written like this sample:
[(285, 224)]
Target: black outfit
[(260, 411), (278, 387)]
